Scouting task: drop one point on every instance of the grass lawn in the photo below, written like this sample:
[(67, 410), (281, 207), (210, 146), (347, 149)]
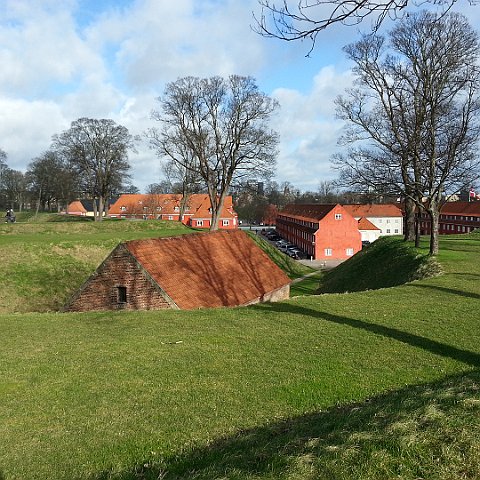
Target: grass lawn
[(44, 262), (379, 384)]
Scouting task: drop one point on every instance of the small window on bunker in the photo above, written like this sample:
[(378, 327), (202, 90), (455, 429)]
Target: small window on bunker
[(122, 294)]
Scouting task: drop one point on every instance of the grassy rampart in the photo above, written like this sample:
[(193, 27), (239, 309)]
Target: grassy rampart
[(368, 385)]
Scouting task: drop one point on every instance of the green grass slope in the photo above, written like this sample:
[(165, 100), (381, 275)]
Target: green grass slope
[(44, 262), (377, 384), (388, 262), (291, 267)]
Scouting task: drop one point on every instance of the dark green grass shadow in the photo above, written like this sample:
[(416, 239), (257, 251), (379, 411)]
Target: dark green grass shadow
[(450, 291), (469, 358), (342, 442)]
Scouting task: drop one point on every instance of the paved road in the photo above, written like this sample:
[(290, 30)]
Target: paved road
[(321, 264)]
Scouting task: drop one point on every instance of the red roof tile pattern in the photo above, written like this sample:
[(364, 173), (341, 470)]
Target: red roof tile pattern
[(310, 212), (373, 210), (461, 208), (198, 205), (215, 269), (365, 224), (76, 207)]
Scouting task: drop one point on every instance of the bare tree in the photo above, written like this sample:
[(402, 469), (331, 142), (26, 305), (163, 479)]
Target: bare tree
[(184, 180), (3, 169), (97, 151), (305, 19), (164, 186), (415, 111), (15, 188), (216, 129), (50, 181)]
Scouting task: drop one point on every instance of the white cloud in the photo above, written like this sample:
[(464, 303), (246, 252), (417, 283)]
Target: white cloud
[(27, 129), (41, 50), (308, 129)]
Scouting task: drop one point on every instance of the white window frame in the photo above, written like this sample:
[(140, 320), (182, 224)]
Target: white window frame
[(225, 223), (199, 223), (328, 252), (338, 216), (349, 251)]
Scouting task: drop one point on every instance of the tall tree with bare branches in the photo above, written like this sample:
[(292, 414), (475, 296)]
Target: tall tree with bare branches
[(97, 151), (414, 112), (216, 129)]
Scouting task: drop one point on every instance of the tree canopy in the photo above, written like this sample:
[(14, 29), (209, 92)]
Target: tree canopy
[(414, 112), (216, 129), (97, 151)]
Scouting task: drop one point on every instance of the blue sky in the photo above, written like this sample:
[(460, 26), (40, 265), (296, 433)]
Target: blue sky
[(65, 59)]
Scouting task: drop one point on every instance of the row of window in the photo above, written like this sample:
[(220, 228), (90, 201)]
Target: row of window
[(123, 208), (460, 217), (348, 251), (388, 220), (449, 227), (225, 223)]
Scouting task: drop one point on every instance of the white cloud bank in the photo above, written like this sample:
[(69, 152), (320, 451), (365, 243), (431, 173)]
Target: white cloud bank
[(64, 59)]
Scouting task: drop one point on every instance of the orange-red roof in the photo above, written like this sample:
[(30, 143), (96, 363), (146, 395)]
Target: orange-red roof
[(309, 212), (461, 208), (198, 205), (365, 224), (373, 210), (222, 268), (76, 207)]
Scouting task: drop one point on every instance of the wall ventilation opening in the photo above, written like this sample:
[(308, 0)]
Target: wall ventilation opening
[(122, 294)]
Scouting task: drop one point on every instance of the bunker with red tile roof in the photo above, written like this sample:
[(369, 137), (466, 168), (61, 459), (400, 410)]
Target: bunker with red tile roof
[(207, 270)]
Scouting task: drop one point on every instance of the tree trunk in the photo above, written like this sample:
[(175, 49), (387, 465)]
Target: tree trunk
[(434, 221), (38, 202), (417, 229), (410, 220), (183, 205), (217, 207), (95, 210), (101, 207)]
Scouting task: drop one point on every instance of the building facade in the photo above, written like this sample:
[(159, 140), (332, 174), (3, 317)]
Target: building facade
[(455, 218), (323, 232), (386, 217), (197, 212)]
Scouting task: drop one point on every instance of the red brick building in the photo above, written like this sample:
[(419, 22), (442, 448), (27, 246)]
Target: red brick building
[(324, 232), (197, 213), (455, 218), (206, 270)]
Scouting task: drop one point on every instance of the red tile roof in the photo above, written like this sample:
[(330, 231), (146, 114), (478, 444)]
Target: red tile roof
[(309, 212), (76, 207), (373, 210), (222, 268), (365, 224), (461, 208), (197, 206)]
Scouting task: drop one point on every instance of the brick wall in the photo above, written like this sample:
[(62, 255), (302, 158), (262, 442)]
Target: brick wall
[(119, 274), (282, 293)]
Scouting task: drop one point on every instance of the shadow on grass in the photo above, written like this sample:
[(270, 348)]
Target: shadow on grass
[(394, 435), (438, 348), (462, 293)]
